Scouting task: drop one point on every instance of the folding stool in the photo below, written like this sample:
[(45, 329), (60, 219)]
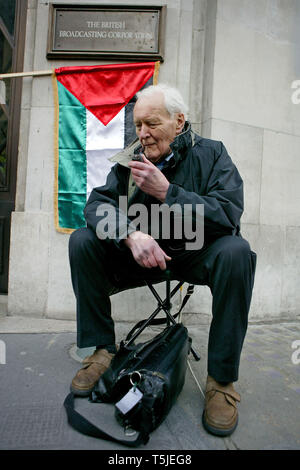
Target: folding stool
[(164, 305)]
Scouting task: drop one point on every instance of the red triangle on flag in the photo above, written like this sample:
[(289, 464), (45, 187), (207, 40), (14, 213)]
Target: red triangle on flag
[(105, 89)]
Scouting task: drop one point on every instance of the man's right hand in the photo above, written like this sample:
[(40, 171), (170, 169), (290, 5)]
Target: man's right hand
[(146, 251)]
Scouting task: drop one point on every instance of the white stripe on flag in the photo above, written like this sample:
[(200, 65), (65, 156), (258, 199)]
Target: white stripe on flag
[(102, 142)]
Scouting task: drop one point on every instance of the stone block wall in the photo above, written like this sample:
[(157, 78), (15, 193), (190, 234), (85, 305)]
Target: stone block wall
[(234, 62)]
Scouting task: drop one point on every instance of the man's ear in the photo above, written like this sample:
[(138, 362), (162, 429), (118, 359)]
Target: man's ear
[(180, 121)]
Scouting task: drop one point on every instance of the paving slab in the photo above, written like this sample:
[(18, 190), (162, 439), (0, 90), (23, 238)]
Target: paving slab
[(37, 368)]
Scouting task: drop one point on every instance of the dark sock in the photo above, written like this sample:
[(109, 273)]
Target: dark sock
[(111, 348)]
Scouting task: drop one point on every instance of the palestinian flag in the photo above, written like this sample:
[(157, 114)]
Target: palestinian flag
[(93, 121)]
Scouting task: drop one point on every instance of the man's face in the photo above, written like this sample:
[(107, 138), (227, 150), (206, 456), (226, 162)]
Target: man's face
[(155, 128)]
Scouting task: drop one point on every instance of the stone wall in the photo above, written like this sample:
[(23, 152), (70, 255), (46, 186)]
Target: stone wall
[(234, 61), (255, 61)]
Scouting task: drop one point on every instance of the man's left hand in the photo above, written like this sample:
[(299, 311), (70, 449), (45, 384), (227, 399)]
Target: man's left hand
[(149, 178)]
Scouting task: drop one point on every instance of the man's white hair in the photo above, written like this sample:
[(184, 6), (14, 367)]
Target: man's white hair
[(174, 102)]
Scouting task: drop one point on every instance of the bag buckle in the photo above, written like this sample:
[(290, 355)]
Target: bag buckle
[(135, 377)]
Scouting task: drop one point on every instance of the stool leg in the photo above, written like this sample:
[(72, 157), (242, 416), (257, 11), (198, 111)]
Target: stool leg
[(195, 354), (168, 299), (162, 304), (140, 326)]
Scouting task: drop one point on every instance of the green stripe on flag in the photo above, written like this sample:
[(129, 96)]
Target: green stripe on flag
[(72, 160)]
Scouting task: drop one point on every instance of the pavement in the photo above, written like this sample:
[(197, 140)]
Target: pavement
[(39, 357)]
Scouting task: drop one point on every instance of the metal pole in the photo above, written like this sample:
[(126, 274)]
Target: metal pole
[(26, 74)]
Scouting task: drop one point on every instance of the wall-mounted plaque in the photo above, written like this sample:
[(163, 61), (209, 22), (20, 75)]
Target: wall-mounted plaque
[(108, 31)]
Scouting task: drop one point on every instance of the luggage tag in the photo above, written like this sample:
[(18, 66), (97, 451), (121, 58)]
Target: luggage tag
[(132, 397)]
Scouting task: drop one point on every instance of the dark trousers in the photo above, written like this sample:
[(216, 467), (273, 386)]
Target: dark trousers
[(227, 265)]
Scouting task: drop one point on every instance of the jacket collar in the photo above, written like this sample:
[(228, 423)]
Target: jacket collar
[(180, 142)]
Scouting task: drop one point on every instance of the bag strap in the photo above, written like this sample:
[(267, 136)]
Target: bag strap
[(83, 425), (161, 321)]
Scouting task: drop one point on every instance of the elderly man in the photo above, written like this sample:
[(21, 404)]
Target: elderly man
[(176, 167)]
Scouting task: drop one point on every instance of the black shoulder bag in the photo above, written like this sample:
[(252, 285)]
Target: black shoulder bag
[(143, 381)]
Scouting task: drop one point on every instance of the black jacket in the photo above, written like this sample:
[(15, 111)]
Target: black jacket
[(201, 172)]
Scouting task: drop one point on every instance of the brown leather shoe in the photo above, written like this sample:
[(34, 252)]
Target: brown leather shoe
[(87, 377), (220, 416)]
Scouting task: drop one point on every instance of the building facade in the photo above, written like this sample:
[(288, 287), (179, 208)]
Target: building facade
[(237, 63)]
